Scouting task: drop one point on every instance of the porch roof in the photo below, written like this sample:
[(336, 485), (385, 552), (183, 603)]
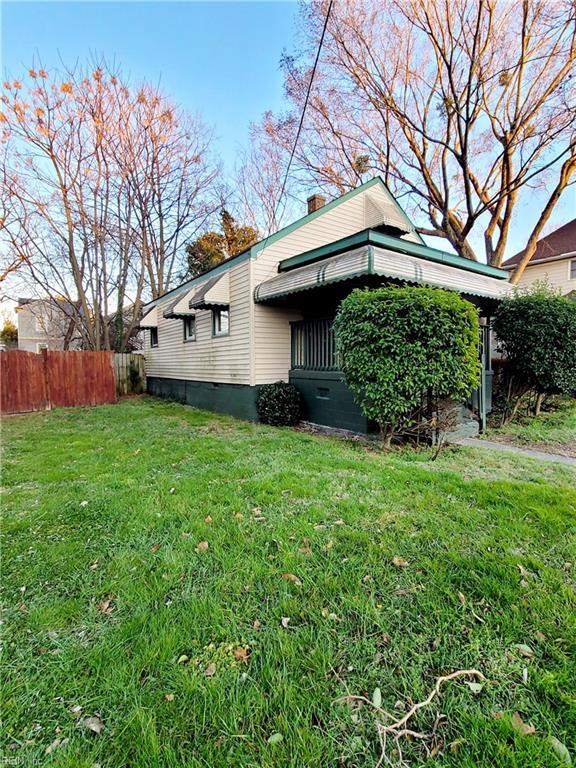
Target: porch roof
[(379, 261)]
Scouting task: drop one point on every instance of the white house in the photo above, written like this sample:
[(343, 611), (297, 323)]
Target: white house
[(553, 262), (266, 314)]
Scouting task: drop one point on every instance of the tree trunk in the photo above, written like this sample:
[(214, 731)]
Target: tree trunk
[(386, 434), (538, 404)]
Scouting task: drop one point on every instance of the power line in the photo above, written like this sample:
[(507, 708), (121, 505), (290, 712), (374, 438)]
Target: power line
[(303, 109)]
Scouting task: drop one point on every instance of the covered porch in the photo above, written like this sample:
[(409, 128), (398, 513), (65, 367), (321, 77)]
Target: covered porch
[(315, 283)]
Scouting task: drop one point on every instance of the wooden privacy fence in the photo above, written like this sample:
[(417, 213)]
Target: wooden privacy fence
[(130, 373), (36, 382)]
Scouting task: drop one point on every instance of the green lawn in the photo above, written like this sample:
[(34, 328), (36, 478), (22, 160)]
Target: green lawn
[(113, 612), (552, 431)]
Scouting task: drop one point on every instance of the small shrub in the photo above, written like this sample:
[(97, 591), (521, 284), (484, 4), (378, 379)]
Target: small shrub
[(536, 331), (279, 404), (398, 346)]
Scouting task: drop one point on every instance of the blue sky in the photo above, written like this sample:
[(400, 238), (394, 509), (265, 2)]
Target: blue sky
[(217, 58)]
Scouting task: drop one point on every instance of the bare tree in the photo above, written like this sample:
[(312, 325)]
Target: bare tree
[(259, 180), (468, 107), (102, 184)]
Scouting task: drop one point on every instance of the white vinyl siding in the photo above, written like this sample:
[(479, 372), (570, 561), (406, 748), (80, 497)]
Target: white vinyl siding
[(271, 344), (226, 359), (555, 273), (257, 348)]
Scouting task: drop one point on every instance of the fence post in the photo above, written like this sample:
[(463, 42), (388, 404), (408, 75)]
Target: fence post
[(44, 353)]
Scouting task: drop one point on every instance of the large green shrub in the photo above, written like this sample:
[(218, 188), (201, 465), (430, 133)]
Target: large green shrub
[(536, 332), (396, 344), (279, 404)]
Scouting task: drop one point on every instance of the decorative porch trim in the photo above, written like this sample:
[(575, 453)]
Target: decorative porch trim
[(371, 260), (396, 244)]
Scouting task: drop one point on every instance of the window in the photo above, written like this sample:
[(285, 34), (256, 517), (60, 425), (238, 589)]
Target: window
[(220, 322), (153, 337), (190, 328), (573, 270)]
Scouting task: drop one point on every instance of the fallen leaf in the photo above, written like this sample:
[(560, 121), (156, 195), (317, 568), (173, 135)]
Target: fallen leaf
[(238, 515), (242, 654), (275, 738), (202, 546), (462, 598), (210, 670), (185, 535), (292, 577), (524, 650), (525, 729), (475, 687), (208, 519), (285, 620), (55, 744), (172, 490), (560, 749), (257, 624), (256, 510), (399, 562), (377, 697), (83, 503), (339, 522), (76, 711), (182, 659), (93, 724), (137, 451), (169, 697), (540, 636), (105, 606), (94, 565), (454, 746), (155, 547)]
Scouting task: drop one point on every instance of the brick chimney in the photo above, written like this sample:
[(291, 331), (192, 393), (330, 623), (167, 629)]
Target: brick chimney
[(315, 202)]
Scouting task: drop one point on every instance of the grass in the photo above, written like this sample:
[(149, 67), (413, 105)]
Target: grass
[(553, 431), (90, 516)]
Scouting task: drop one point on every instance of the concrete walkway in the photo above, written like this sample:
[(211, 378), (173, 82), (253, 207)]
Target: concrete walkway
[(474, 442)]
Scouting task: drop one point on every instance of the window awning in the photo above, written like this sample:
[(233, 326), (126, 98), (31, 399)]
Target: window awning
[(371, 260), (150, 319), (214, 293), (178, 308)]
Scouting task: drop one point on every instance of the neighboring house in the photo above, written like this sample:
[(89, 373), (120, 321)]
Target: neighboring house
[(45, 324), (266, 314), (553, 262)]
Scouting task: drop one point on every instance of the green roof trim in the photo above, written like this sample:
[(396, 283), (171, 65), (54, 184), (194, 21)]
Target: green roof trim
[(253, 251), (371, 237), (376, 181)]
